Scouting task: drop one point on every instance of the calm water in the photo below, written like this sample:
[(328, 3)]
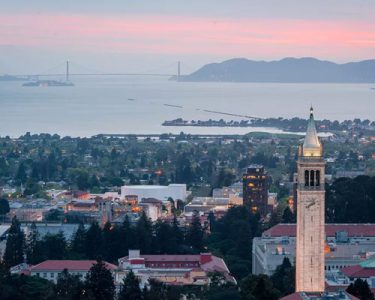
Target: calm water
[(101, 105)]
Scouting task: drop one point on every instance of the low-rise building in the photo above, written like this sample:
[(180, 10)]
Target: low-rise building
[(346, 245), (174, 269), (50, 269), (160, 192)]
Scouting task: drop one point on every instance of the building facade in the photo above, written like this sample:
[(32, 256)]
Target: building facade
[(310, 213), (255, 189), (346, 245)]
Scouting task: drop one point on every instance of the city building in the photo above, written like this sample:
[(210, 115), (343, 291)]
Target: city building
[(160, 192), (174, 269), (255, 189), (364, 270), (310, 213), (50, 269), (346, 245), (152, 207)]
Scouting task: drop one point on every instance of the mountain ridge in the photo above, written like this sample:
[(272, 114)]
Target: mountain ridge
[(286, 70)]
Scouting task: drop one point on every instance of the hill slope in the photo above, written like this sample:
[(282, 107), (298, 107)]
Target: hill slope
[(286, 70)]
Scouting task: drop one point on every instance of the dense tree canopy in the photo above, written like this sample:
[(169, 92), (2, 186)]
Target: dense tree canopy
[(351, 200)]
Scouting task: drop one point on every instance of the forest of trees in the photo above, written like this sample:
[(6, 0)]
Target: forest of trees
[(351, 200), (109, 243)]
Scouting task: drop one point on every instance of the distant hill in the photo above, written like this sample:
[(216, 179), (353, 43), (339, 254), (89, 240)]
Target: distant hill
[(290, 70)]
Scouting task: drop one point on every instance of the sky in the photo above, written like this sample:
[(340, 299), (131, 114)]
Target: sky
[(152, 35)]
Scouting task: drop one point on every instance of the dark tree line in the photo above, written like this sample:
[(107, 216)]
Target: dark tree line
[(109, 243), (231, 238), (351, 200)]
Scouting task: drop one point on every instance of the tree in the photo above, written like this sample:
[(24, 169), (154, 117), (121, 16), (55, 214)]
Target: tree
[(231, 238), (195, 233), (258, 287), (360, 289), (93, 241), (220, 288), (4, 207), (21, 175), (68, 286), (33, 247), (288, 216), (99, 282), (79, 240), (126, 236), (130, 289), (284, 277), (54, 246), (15, 244), (144, 234)]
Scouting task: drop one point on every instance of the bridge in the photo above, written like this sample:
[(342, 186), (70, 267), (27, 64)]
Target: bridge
[(53, 73)]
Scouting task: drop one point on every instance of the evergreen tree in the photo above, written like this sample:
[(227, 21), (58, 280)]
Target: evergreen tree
[(156, 291), (360, 289), (194, 235), (54, 246), (21, 175), (4, 207), (178, 236), (111, 242), (211, 218), (33, 246), (15, 244), (284, 277), (93, 241), (288, 216), (78, 244), (164, 239), (258, 287), (144, 234), (130, 289), (68, 286), (127, 238), (99, 282)]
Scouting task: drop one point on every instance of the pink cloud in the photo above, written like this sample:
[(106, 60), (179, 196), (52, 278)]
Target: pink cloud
[(173, 34)]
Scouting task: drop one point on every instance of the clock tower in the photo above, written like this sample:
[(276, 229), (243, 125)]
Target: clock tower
[(310, 213)]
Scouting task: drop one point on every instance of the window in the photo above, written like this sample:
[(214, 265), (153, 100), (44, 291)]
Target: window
[(317, 178), (312, 178), (52, 275), (306, 178), (45, 275)]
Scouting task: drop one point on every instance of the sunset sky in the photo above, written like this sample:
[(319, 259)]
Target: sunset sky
[(151, 35)]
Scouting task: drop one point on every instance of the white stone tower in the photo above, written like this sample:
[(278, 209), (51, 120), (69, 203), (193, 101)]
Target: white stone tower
[(310, 213)]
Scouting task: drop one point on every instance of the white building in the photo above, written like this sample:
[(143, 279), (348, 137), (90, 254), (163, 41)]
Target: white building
[(50, 269), (346, 245), (160, 192)]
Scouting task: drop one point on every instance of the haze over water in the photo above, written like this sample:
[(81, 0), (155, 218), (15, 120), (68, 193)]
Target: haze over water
[(102, 105)]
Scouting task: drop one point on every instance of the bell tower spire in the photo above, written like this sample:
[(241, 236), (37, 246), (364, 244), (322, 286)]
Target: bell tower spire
[(310, 213)]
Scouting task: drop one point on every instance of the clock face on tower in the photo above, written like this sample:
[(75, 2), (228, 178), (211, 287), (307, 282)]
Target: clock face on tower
[(310, 202)]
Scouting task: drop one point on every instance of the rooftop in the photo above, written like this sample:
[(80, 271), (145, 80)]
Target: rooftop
[(71, 265), (353, 230)]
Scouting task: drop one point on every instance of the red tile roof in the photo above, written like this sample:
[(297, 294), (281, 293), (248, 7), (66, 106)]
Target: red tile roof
[(354, 230), (71, 265), (358, 272), (294, 296)]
